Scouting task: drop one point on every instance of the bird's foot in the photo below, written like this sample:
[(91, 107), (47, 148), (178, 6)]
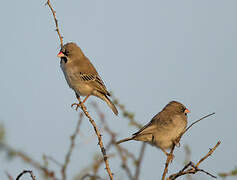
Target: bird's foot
[(170, 157), (177, 142), (77, 105)]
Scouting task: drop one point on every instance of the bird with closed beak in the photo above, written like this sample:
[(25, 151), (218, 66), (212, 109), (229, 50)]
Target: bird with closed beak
[(81, 75), (165, 127)]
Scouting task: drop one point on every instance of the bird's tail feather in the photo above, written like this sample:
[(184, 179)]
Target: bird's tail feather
[(124, 140), (111, 105)]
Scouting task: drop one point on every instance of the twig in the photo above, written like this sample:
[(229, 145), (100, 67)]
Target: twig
[(26, 158), (56, 22), (168, 160), (119, 149), (83, 106), (191, 168), (197, 122), (46, 158), (126, 114), (227, 174), (94, 177), (187, 159), (138, 164), (208, 154), (103, 150), (24, 172), (69, 153)]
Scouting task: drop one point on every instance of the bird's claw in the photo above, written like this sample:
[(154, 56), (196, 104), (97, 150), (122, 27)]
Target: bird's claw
[(77, 105), (170, 157)]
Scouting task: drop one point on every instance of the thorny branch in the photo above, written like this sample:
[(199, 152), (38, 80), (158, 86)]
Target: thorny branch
[(24, 172), (26, 158), (139, 161), (168, 160), (191, 168), (227, 174), (56, 22), (123, 153), (113, 142), (126, 114), (69, 153), (103, 150), (94, 177)]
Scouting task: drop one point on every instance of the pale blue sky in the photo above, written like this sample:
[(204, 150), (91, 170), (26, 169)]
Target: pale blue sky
[(147, 52)]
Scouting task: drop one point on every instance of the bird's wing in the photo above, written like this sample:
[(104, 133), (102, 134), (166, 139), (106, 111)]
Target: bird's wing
[(95, 81), (88, 74), (149, 128)]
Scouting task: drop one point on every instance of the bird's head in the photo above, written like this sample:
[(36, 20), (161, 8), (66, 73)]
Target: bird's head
[(70, 51), (176, 107)]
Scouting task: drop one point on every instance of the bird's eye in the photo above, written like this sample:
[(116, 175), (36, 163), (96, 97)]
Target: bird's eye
[(183, 109), (66, 52)]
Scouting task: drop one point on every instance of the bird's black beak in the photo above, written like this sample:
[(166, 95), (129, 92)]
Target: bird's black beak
[(60, 54)]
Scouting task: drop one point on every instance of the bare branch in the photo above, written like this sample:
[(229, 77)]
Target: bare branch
[(139, 161), (168, 160), (227, 174), (122, 152), (191, 168), (103, 150), (94, 177), (197, 122), (126, 113), (69, 153), (47, 158), (24, 172), (27, 159), (208, 154), (56, 22)]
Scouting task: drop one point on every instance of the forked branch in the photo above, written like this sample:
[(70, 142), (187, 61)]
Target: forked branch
[(168, 160)]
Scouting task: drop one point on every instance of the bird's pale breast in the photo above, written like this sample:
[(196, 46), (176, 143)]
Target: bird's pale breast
[(74, 81), (164, 137)]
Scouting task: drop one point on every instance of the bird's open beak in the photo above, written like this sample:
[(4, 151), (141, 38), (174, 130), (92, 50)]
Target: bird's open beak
[(60, 54), (187, 111)]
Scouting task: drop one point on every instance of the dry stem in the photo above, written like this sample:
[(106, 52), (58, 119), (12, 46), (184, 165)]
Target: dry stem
[(139, 161), (168, 160), (191, 168), (56, 22), (69, 153), (103, 150), (197, 122), (83, 106), (29, 160), (24, 172)]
